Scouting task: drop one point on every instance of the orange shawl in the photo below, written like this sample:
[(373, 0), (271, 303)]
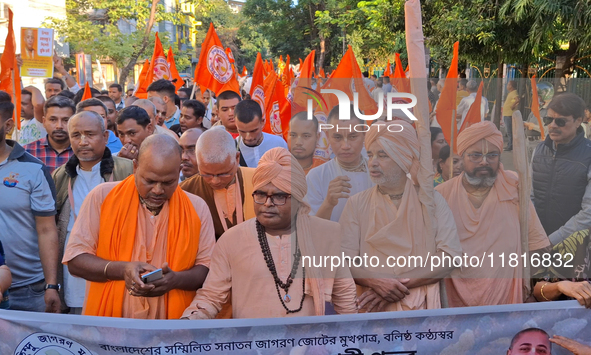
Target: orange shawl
[(118, 221)]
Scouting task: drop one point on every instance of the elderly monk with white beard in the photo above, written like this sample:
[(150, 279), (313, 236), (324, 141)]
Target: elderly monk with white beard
[(484, 200), (391, 220)]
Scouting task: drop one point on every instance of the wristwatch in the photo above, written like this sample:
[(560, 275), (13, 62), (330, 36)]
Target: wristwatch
[(53, 287)]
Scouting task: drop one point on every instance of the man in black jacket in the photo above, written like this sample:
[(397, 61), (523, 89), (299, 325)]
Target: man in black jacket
[(561, 170)]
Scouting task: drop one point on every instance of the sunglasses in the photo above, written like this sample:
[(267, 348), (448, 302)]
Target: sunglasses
[(560, 121)]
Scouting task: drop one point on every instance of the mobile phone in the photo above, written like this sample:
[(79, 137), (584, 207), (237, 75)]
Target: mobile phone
[(152, 276)]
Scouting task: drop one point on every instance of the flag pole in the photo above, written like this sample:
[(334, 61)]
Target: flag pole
[(451, 142), (15, 134), (193, 91)]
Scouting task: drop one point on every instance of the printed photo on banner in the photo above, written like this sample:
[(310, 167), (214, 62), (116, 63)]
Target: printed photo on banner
[(37, 52)]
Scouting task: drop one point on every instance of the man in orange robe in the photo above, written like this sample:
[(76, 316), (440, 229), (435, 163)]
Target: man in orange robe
[(136, 226), (484, 200), (255, 259), (391, 220)]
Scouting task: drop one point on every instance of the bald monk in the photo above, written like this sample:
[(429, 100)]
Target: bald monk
[(188, 141), (485, 203), (262, 289), (141, 224), (225, 186), (390, 219), (150, 108)]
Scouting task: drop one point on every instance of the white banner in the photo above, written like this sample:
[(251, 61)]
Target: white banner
[(456, 331)]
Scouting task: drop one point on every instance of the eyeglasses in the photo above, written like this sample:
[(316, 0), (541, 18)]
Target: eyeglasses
[(477, 157), (560, 121), (276, 199), (221, 176)]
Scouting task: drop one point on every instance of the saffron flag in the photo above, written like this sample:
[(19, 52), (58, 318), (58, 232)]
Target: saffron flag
[(388, 71), (301, 63), (347, 78), (474, 114), (244, 71), (142, 76), (214, 70), (286, 76), (304, 84), (87, 93), (257, 87), (446, 105), (321, 73), (157, 70), (399, 79), (10, 79), (535, 105), (278, 108), (174, 74)]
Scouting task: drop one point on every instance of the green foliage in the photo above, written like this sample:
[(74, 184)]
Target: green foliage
[(93, 27)]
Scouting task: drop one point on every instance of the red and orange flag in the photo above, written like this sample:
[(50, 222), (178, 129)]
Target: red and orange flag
[(157, 70), (446, 106), (10, 79), (214, 70), (174, 73), (474, 115), (257, 87), (535, 105)]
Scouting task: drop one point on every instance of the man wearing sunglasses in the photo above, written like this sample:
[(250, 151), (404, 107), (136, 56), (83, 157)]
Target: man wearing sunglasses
[(484, 200), (561, 170)]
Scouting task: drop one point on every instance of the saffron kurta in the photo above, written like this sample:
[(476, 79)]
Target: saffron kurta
[(150, 244), (238, 265), (492, 228)]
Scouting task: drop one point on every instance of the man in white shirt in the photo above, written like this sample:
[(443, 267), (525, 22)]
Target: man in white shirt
[(332, 183), (252, 141), (31, 128), (467, 101)]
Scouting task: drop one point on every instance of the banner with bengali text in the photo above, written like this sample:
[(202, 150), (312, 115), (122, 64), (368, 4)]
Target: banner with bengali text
[(476, 330)]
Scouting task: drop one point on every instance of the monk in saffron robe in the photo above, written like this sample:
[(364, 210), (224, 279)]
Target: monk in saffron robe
[(390, 219), (225, 186), (256, 261), (136, 226), (484, 200)]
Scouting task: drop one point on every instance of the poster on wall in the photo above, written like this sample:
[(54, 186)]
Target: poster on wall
[(37, 52), (488, 330)]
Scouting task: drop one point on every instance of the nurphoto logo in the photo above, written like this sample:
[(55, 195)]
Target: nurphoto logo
[(345, 104)]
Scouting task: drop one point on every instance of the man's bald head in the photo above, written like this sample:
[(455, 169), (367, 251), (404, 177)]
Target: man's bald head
[(215, 146), (89, 117), (157, 170), (148, 106)]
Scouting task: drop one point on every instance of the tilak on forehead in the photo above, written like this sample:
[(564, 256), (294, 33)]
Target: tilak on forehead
[(482, 131)]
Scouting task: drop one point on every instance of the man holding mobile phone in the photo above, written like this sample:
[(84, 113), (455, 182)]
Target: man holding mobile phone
[(127, 229)]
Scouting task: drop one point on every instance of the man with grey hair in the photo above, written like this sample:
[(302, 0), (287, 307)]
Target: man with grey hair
[(225, 186), (467, 101), (150, 108), (96, 105), (91, 165)]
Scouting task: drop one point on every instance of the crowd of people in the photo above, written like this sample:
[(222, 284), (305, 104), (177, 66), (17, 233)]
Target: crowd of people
[(98, 192)]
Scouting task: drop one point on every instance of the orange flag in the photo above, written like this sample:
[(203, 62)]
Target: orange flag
[(278, 108), (388, 71), (474, 115), (244, 71), (174, 74), (10, 79), (301, 63), (535, 105), (305, 81), (271, 65), (346, 77), (286, 77), (157, 70), (257, 87), (400, 81), (142, 77), (321, 73), (87, 93), (214, 70), (446, 106)]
